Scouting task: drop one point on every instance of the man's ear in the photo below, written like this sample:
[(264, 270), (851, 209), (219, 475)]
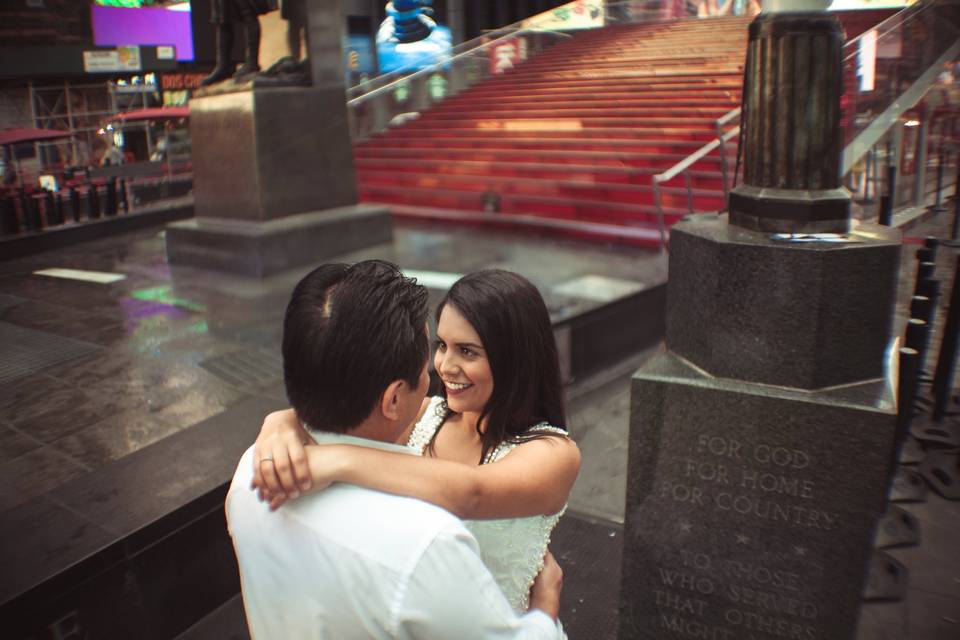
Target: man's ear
[(390, 400)]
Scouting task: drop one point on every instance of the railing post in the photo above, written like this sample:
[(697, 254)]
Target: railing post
[(956, 203), (723, 162), (938, 198), (688, 182), (660, 221)]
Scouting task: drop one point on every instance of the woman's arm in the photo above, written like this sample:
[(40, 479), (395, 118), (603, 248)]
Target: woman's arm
[(534, 479), (280, 467), (280, 458)]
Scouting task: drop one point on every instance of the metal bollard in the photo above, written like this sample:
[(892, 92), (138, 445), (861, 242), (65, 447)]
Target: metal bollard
[(947, 358), (925, 271), (892, 184), (93, 202), (9, 223), (124, 202), (34, 221), (885, 217), (110, 204), (75, 204), (58, 208), (938, 198), (916, 334), (48, 209), (906, 397), (920, 307)]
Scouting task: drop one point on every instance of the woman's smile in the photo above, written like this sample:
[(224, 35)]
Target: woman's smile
[(456, 388)]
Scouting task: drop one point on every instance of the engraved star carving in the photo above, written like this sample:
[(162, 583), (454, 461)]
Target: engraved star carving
[(685, 527), (742, 539), (800, 551)]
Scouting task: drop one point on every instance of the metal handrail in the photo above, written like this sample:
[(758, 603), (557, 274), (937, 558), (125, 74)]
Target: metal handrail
[(683, 166), (885, 26), (432, 68), (482, 42)]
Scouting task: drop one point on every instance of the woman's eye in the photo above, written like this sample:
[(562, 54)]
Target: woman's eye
[(467, 352), (441, 346)]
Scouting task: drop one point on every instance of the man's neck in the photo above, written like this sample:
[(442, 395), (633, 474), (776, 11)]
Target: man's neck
[(366, 430)]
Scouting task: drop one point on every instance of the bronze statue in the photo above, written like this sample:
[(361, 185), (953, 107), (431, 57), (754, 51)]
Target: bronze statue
[(226, 14), (295, 13)]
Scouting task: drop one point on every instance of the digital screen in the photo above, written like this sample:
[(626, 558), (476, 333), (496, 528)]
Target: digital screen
[(413, 55), (118, 26)]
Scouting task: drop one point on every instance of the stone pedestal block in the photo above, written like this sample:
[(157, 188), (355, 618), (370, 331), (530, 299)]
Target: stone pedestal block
[(750, 509), (791, 126), (742, 305), (274, 184), (264, 154), (263, 249)]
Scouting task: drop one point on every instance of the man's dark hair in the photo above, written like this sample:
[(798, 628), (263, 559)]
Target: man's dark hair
[(349, 331)]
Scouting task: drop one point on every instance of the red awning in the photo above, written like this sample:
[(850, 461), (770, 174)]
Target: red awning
[(15, 136), (155, 113)]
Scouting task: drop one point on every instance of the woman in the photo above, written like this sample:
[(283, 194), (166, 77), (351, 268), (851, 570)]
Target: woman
[(494, 450)]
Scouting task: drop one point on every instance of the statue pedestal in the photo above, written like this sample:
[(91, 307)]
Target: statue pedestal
[(760, 442), (274, 183)]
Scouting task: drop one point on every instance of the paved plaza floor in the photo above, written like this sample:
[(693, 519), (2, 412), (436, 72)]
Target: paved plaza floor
[(93, 369)]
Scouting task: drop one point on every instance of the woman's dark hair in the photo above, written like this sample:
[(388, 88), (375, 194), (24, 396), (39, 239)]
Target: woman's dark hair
[(349, 331), (511, 318)]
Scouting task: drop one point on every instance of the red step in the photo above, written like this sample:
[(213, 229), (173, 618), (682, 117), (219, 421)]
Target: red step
[(573, 136)]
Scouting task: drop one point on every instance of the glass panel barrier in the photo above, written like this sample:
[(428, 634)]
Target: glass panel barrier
[(884, 62), (396, 97)]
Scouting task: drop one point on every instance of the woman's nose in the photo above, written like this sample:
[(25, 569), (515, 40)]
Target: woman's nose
[(447, 364)]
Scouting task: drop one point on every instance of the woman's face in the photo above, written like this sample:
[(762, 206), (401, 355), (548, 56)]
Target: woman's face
[(462, 364)]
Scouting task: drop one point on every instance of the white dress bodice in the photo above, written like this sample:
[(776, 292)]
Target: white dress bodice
[(512, 548)]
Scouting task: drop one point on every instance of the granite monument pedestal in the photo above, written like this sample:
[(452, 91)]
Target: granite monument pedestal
[(760, 442), (274, 183)]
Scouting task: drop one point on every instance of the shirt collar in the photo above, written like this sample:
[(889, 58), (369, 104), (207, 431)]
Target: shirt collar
[(325, 437)]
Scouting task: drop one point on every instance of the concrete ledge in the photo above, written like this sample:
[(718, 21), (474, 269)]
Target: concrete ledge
[(261, 249), (138, 549), (25, 244)]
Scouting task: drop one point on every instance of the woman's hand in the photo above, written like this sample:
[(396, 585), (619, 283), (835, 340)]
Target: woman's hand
[(545, 592), (326, 464), (280, 467)]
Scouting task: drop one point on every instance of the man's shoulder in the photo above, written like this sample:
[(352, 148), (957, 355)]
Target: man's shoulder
[(348, 514)]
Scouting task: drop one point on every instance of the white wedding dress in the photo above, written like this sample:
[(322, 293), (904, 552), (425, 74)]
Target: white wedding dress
[(513, 548)]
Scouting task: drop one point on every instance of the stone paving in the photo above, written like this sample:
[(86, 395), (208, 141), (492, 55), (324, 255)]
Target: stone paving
[(167, 349)]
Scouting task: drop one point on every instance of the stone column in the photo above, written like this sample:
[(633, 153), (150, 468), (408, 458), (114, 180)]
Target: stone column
[(274, 183), (761, 438), (791, 126), (455, 20)]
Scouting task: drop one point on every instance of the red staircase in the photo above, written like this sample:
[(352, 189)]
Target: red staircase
[(568, 141)]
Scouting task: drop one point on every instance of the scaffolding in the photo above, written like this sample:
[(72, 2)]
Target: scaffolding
[(84, 109)]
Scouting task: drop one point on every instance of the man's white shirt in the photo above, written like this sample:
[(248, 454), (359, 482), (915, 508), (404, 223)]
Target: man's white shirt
[(349, 562)]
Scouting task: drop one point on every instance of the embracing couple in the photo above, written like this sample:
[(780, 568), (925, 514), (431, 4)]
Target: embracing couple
[(384, 553)]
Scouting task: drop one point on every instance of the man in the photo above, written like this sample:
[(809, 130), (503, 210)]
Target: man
[(349, 562)]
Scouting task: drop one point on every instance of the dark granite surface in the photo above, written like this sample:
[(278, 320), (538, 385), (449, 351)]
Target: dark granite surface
[(237, 314), (750, 509), (251, 149), (262, 249), (112, 443), (746, 307)]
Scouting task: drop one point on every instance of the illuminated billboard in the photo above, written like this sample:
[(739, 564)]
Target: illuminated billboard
[(118, 23)]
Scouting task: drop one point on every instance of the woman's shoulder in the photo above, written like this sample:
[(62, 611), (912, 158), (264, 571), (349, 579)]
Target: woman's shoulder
[(432, 412), (538, 437), (546, 428)]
